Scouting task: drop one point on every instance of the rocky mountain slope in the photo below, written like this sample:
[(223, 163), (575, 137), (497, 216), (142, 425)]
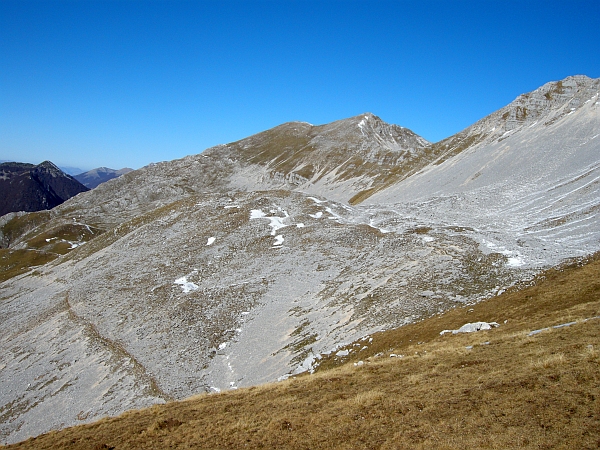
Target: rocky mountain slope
[(531, 172), (251, 261), (93, 178), (531, 382), (29, 187)]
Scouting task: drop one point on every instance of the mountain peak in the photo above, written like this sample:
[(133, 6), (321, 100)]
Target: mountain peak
[(27, 187), (93, 178)]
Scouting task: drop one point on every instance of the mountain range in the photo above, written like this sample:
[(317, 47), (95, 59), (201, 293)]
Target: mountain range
[(29, 187), (255, 260), (93, 178)]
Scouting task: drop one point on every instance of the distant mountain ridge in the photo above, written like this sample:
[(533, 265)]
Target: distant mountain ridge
[(95, 177), (29, 187)]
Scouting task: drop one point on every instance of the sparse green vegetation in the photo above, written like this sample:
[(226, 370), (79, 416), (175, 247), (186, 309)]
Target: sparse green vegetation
[(17, 262), (21, 225)]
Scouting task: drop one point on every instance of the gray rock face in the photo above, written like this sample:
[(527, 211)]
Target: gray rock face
[(535, 185), (244, 265)]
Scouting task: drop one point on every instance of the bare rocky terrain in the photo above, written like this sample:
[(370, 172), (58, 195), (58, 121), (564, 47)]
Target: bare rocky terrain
[(250, 261)]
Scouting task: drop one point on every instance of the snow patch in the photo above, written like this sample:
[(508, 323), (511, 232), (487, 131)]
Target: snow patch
[(257, 214), (211, 241), (335, 215), (276, 222), (186, 286), (278, 240), (515, 261), (317, 215)]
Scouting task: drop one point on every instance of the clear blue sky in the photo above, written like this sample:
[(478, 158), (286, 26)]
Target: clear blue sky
[(125, 83)]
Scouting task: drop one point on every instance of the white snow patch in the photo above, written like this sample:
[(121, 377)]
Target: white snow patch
[(342, 353), (300, 225), (257, 214), (428, 239), (278, 240), (276, 222), (231, 206), (317, 215), (222, 346), (211, 240), (216, 389), (316, 200), (372, 225), (515, 261), (186, 286), (472, 327), (335, 216)]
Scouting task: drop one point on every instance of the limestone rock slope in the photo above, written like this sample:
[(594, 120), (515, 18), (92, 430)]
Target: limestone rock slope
[(248, 262), (531, 172)]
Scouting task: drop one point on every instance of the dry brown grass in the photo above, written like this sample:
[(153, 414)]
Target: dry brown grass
[(510, 390)]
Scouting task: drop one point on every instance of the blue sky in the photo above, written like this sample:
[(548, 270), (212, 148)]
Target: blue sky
[(125, 83)]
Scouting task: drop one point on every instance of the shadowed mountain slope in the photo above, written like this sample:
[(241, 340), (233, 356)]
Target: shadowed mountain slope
[(29, 187)]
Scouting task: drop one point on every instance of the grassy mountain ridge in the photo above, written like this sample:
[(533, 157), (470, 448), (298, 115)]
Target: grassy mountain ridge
[(503, 388)]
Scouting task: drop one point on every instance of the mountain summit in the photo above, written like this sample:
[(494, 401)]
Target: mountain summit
[(29, 187), (93, 178)]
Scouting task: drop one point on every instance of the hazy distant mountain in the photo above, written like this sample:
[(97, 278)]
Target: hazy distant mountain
[(250, 261), (92, 178), (71, 170), (29, 187)]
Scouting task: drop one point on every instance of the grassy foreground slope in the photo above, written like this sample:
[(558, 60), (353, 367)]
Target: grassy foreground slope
[(502, 388)]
